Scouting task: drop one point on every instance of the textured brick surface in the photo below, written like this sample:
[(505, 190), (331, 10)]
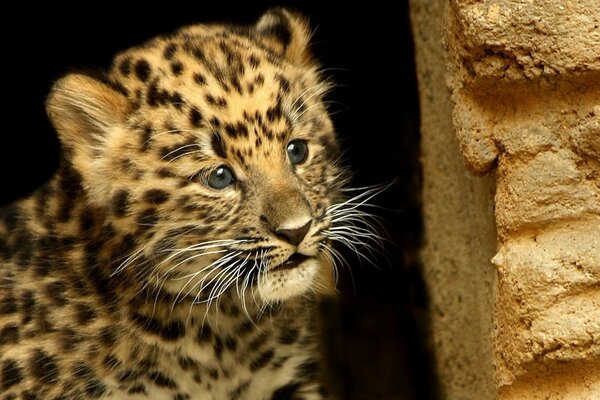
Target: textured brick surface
[(524, 77)]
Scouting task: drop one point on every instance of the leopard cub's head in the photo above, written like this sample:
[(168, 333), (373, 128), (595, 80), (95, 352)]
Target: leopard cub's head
[(212, 151)]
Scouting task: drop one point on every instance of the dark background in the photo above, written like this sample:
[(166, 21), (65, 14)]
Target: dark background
[(376, 331)]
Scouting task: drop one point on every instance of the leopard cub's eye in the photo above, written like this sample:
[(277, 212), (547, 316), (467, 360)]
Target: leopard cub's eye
[(297, 151), (220, 178)]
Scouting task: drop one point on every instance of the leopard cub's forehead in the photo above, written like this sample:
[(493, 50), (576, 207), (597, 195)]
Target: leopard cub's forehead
[(219, 77)]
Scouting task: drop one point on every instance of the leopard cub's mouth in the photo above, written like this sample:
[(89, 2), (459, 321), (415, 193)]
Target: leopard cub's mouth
[(292, 262)]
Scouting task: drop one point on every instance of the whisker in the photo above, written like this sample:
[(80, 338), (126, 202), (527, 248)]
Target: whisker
[(181, 148)]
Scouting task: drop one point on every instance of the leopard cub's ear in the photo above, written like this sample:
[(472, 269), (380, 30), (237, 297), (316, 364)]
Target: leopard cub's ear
[(89, 116), (84, 110), (287, 33)]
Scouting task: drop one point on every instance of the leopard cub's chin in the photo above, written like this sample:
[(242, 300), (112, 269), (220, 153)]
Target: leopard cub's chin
[(283, 284)]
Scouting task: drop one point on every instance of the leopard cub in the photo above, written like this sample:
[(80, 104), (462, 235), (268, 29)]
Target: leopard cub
[(177, 252)]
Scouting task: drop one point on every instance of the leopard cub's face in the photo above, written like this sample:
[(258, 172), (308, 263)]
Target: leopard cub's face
[(212, 154)]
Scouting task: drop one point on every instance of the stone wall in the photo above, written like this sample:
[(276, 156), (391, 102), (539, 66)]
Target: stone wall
[(512, 259)]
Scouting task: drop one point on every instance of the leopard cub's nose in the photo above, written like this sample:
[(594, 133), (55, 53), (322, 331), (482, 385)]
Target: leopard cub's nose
[(294, 236), (293, 233)]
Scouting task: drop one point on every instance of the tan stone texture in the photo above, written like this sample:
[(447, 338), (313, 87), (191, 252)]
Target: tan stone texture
[(524, 78), (459, 229)]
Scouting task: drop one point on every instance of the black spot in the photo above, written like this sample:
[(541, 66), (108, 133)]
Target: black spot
[(210, 99), (125, 66), (288, 335), (156, 196), (11, 374), (284, 83), (147, 363), (308, 370), (65, 208), (128, 375), (84, 314), (195, 117), (171, 331), (236, 130), (43, 367), (230, 309), (94, 388), (262, 360), (142, 70), (9, 334), (196, 53), (268, 134), (119, 203), (162, 380), (170, 51), (27, 306), (29, 395), (108, 336), (80, 286), (176, 100), (237, 154), (146, 137), (181, 396), (259, 80), (236, 393), (278, 363), (274, 113), (42, 321), (235, 83), (245, 328), (199, 79), (102, 284), (154, 95), (258, 341), (204, 334), (138, 388), (218, 145), (23, 248), (218, 75), (70, 182), (69, 339), (10, 216), (8, 305), (254, 61), (147, 218), (186, 363), (230, 343), (213, 373), (67, 242), (47, 244), (44, 194), (286, 392), (11, 396), (56, 292), (165, 173), (219, 102), (218, 347), (177, 68), (82, 370)]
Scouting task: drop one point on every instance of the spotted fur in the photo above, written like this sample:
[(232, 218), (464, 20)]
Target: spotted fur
[(127, 276)]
